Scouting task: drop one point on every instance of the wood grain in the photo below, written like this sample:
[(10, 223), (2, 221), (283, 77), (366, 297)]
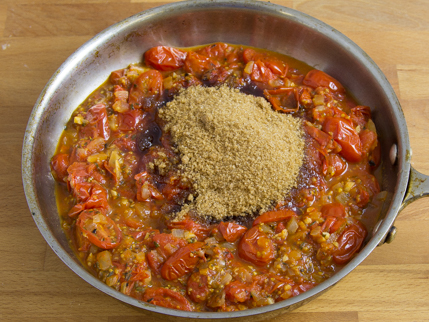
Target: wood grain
[(36, 36)]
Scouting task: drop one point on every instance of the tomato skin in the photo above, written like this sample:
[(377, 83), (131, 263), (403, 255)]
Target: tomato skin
[(346, 136), (275, 215), (316, 78), (237, 292), (149, 85), (338, 165), (197, 64), (231, 231), (59, 165), (106, 235), (181, 262), (334, 210), (167, 298), (197, 287), (98, 125), (256, 248), (349, 243), (165, 245), (188, 224), (165, 58)]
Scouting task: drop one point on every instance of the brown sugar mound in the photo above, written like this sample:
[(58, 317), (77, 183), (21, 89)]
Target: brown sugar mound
[(239, 154)]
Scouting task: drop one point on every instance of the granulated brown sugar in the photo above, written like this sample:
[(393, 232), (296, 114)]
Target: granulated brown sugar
[(240, 155)]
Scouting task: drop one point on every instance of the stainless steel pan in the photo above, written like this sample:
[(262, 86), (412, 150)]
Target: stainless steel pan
[(192, 23)]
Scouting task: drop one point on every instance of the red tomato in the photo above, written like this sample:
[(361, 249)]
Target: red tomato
[(99, 229), (301, 288), (165, 246), (284, 99), (188, 224), (360, 115), (237, 292), (325, 141), (131, 120), (197, 64), (148, 85), (345, 135), (316, 78), (59, 165), (181, 262), (339, 166), (231, 231), (369, 141), (261, 73), (167, 298), (333, 210), (165, 58), (256, 247), (275, 65), (275, 215), (97, 124), (349, 243), (218, 51), (197, 287)]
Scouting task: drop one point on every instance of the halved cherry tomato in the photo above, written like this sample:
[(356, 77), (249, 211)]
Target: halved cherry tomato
[(325, 140), (148, 85), (97, 124), (197, 64), (360, 114), (261, 73), (165, 58), (333, 210), (99, 229), (275, 215), (301, 288), (336, 163), (369, 141), (197, 287), (231, 231), (218, 51), (190, 225), (167, 298), (256, 247), (165, 246), (131, 120), (237, 292), (181, 262), (274, 64), (316, 78), (344, 134), (349, 243), (59, 165)]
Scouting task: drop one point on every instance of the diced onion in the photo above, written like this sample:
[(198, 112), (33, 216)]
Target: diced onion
[(249, 67), (292, 226), (180, 233)]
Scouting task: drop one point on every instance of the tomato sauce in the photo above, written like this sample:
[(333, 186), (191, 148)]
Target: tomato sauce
[(118, 185)]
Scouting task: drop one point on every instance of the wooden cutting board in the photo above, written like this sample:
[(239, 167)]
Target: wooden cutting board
[(36, 36)]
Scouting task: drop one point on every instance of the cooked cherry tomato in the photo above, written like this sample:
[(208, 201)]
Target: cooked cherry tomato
[(99, 229), (275, 215), (95, 124), (316, 78), (360, 115), (197, 287), (284, 99), (165, 58), (59, 165), (167, 298), (131, 120), (274, 64), (260, 72), (334, 210), (335, 164), (181, 262), (148, 85), (237, 292), (188, 224), (256, 247), (165, 245), (198, 64), (344, 134), (231, 231), (349, 243), (369, 141)]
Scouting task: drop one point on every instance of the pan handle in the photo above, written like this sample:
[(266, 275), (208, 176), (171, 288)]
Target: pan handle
[(418, 187)]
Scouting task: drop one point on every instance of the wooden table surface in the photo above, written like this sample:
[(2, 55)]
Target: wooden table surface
[(36, 36)]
